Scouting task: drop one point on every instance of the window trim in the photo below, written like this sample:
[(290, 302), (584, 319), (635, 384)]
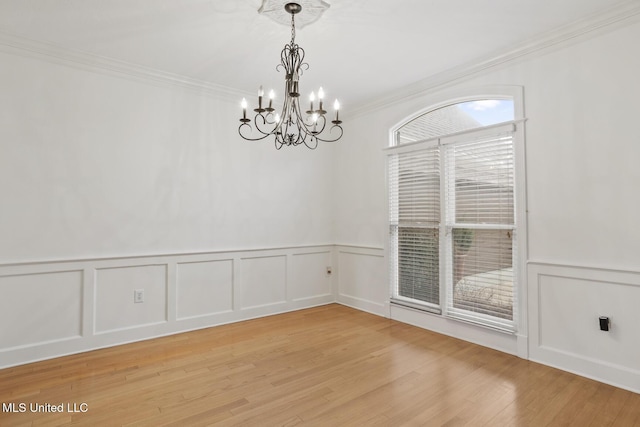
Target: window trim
[(515, 93)]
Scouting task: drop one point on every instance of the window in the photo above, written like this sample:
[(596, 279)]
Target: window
[(452, 217)]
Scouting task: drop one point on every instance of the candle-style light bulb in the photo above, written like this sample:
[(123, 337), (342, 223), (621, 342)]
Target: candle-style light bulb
[(321, 98), (336, 106), (272, 95), (277, 118), (243, 104), (260, 95)]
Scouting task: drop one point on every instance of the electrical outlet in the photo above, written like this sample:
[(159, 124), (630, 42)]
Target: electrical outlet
[(138, 295), (328, 270)]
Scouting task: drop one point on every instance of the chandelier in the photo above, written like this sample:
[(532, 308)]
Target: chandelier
[(292, 125)]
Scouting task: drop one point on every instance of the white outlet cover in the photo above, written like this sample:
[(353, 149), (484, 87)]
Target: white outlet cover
[(138, 295)]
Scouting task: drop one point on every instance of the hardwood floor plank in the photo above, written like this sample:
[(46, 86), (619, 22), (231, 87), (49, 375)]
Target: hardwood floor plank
[(324, 366), (629, 414)]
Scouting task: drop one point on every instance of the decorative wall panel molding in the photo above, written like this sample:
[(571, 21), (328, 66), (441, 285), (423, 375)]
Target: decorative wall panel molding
[(309, 273), (362, 279), (204, 288), (565, 305), (64, 307), (55, 308), (263, 281), (115, 288)]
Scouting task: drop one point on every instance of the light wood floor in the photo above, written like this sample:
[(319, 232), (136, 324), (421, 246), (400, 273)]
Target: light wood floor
[(325, 366)]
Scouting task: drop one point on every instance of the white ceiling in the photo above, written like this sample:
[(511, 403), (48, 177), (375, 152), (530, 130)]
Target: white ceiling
[(358, 50)]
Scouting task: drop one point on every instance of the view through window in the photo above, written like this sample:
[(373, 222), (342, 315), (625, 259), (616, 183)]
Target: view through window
[(452, 212)]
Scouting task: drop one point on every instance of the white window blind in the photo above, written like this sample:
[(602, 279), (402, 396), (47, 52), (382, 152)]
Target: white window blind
[(453, 226), (414, 206), (480, 228)]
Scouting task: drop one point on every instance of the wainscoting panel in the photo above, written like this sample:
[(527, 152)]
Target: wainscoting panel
[(54, 308), (115, 307), (565, 305), (204, 288), (362, 279), (40, 307), (264, 281), (309, 276)]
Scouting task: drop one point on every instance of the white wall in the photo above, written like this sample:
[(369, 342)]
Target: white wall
[(96, 165), (114, 180), (581, 102)]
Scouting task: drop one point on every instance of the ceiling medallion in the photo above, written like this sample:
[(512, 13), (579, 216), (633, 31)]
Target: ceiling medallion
[(293, 125), (313, 10)]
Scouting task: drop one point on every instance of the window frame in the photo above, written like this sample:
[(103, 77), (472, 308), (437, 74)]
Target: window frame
[(514, 94), (393, 249)]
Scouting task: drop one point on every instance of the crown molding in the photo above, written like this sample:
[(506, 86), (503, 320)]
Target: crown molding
[(14, 44), (577, 31)]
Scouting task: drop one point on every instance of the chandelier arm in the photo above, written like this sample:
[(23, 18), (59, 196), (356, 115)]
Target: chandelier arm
[(300, 132), (260, 138), (278, 129), (291, 131), (264, 122), (279, 143), (331, 130), (324, 124), (320, 132), (286, 120), (284, 55), (302, 66), (297, 134), (313, 139), (256, 122), (305, 128)]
